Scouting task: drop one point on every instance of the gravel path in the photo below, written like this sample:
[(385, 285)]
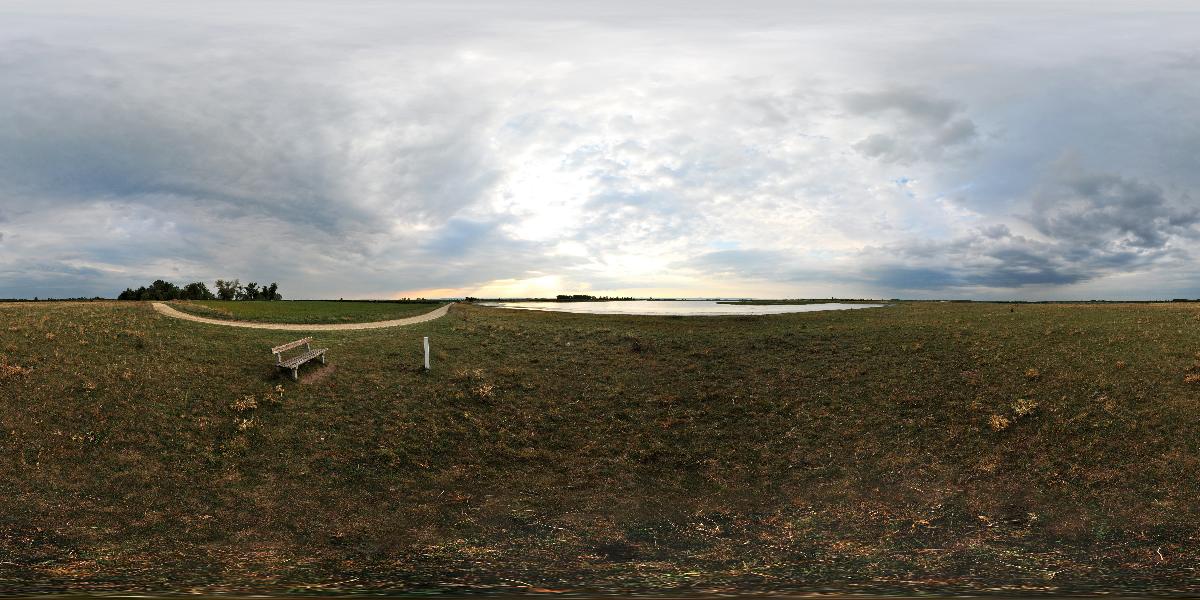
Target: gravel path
[(163, 309)]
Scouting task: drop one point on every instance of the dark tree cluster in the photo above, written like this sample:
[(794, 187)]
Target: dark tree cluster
[(575, 298), (587, 298), (165, 290), (226, 290)]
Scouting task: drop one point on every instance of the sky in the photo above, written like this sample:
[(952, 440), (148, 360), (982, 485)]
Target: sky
[(985, 150)]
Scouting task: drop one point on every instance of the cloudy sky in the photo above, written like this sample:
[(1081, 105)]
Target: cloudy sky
[(691, 148)]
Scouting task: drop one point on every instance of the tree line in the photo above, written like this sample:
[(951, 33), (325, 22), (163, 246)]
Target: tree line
[(226, 290), (588, 298)]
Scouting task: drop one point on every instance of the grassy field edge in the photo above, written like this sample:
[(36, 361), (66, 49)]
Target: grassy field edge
[(304, 312)]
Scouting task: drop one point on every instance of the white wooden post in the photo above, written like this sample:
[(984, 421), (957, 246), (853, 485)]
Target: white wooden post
[(426, 354)]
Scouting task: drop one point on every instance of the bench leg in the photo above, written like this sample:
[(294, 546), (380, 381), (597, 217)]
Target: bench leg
[(295, 374), (322, 359)]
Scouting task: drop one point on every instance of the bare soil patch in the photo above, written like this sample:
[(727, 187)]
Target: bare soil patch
[(316, 375)]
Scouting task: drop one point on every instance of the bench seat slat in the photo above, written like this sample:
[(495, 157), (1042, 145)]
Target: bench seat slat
[(290, 345), (300, 359)]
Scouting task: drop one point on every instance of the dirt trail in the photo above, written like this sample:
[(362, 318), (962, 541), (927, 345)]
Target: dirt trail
[(163, 309)]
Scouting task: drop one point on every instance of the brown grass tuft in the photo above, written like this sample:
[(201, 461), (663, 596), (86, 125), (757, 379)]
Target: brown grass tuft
[(8, 371), (245, 403), (998, 422), (1023, 407), (484, 391)]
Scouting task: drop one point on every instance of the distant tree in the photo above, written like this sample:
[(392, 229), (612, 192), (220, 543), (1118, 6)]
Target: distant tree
[(163, 290), (228, 290), (196, 291), (159, 290), (250, 292)]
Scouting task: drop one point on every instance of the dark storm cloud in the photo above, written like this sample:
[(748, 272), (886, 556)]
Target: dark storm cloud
[(987, 259), (1094, 224), (1101, 210)]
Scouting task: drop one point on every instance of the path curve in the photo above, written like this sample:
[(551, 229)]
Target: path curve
[(163, 309)]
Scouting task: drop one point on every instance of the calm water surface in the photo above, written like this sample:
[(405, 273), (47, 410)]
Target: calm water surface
[(676, 307)]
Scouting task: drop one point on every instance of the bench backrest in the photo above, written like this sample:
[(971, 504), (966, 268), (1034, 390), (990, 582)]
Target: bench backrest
[(278, 350)]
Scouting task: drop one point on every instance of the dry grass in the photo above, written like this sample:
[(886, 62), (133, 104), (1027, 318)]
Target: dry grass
[(245, 403), (998, 422), (8, 371), (1024, 407), (895, 450)]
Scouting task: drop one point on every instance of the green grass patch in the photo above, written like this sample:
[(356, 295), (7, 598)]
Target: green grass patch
[(305, 311), (923, 447)]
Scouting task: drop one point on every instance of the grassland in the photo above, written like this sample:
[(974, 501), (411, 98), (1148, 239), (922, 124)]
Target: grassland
[(921, 447), (305, 311)]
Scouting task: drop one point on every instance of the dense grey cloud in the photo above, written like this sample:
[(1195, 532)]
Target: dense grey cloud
[(921, 126), (1091, 225), (773, 149), (1103, 210)]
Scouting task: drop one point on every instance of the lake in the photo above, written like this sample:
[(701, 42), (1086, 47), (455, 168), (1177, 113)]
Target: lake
[(676, 307)]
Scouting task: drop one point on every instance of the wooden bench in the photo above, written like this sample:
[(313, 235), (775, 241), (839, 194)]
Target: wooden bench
[(294, 362)]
